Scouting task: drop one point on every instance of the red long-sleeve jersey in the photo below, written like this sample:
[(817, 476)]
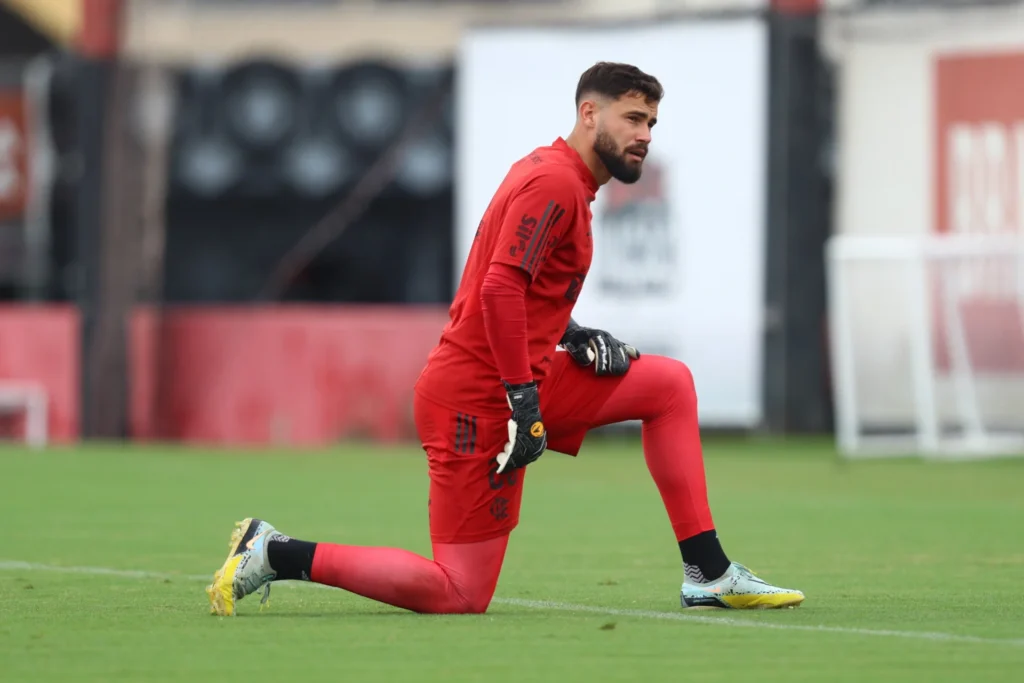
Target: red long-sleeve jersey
[(538, 222)]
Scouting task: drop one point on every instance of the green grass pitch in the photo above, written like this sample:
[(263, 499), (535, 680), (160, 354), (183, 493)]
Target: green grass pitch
[(913, 571)]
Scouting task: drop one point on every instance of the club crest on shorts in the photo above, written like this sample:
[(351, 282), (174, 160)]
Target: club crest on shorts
[(537, 429)]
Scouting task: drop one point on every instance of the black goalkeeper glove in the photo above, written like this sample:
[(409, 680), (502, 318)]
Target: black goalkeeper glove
[(609, 356), (527, 437)]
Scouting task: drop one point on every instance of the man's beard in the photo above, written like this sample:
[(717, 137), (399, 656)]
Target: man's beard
[(620, 169)]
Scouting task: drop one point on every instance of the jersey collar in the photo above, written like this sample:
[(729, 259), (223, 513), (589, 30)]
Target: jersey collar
[(561, 145)]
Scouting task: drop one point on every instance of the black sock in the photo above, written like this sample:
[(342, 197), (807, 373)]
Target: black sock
[(292, 560), (703, 557)]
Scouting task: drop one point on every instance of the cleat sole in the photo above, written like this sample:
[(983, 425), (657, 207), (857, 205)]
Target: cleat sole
[(771, 601)]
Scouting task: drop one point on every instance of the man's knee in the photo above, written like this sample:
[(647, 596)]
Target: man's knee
[(460, 600), (472, 571), (676, 385), (450, 598), (477, 604)]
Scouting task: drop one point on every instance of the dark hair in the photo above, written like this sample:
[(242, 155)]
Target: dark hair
[(614, 80)]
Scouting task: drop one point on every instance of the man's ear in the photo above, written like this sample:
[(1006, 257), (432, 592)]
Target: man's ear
[(588, 111)]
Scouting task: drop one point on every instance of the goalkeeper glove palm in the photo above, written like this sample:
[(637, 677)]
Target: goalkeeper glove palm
[(527, 437)]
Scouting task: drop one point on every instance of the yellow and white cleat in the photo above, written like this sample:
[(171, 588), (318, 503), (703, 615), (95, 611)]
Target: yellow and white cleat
[(245, 571), (738, 588)]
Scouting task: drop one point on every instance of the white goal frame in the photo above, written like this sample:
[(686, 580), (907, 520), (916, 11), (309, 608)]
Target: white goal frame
[(927, 436)]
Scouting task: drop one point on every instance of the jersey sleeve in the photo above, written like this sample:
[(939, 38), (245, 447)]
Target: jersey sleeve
[(536, 219), (502, 301)]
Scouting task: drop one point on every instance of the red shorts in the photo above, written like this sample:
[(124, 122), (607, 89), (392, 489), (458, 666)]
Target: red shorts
[(469, 501)]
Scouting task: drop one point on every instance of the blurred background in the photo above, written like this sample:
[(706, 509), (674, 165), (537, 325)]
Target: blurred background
[(240, 222)]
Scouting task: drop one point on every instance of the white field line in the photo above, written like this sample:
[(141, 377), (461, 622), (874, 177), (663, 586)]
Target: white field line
[(11, 565)]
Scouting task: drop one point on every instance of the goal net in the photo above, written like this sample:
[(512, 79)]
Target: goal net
[(927, 344)]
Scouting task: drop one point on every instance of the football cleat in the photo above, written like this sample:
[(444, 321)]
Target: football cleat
[(245, 571), (738, 588)]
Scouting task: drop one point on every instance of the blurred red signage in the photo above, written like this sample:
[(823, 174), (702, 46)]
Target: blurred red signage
[(13, 156)]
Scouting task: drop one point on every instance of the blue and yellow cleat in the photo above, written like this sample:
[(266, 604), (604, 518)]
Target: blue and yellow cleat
[(738, 588), (245, 571)]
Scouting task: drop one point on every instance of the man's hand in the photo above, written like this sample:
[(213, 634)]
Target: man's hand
[(609, 356), (527, 437)]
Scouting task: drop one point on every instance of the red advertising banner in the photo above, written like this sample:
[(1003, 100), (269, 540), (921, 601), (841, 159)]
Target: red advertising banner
[(979, 190), (304, 376), (13, 156), (291, 376), (979, 117)]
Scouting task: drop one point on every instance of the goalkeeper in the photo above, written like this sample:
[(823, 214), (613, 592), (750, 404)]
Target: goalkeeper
[(495, 393)]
